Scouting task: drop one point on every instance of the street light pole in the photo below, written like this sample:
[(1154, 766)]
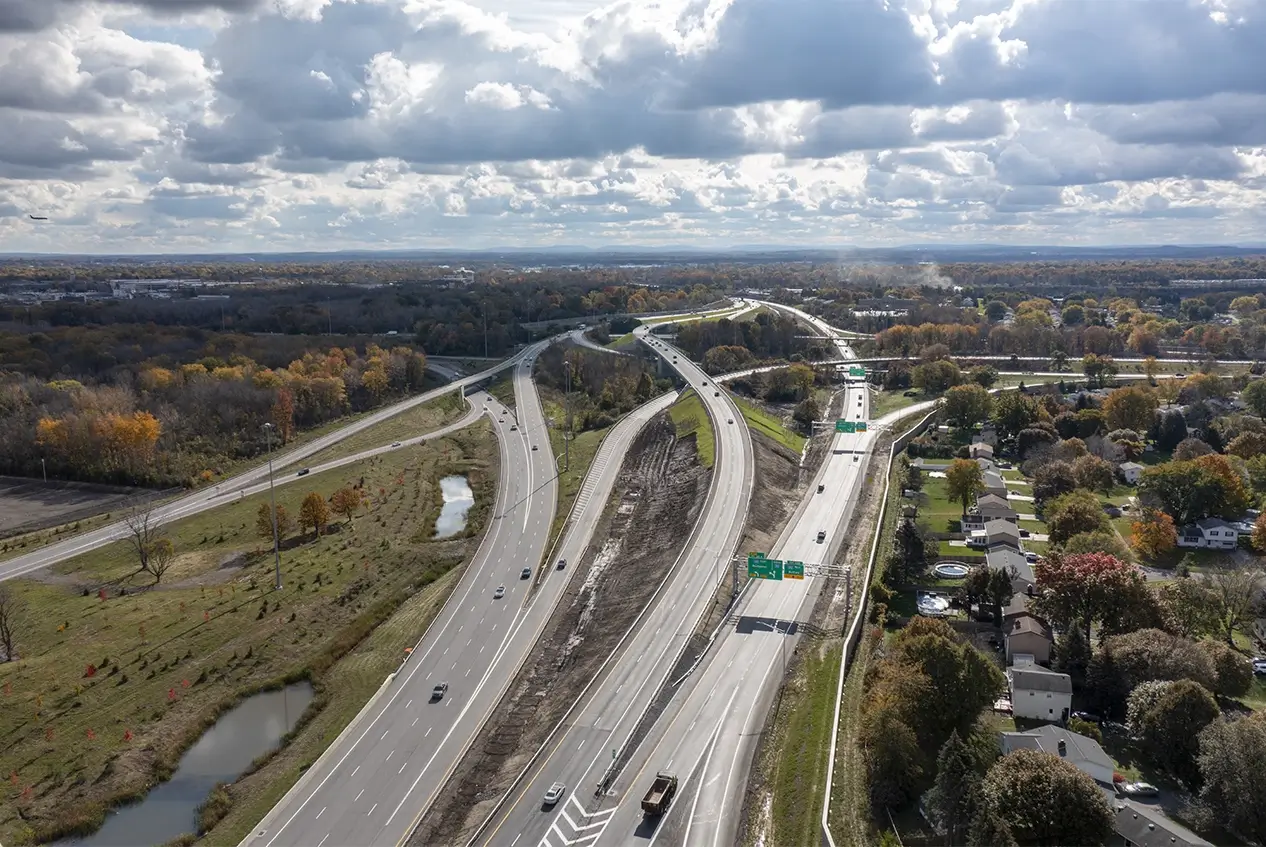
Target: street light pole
[(567, 416), (44, 468), (272, 499)]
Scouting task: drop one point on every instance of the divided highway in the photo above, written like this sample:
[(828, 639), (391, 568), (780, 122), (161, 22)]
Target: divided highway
[(581, 754)]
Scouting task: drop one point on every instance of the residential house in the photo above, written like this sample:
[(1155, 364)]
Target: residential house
[(992, 479), (988, 507), (1018, 606), (1078, 750), (988, 435), (1040, 694), (1210, 533), (1131, 471), (1147, 826), (1028, 635), (1008, 559), (996, 531), (980, 450)]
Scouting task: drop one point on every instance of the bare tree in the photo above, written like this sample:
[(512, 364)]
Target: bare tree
[(142, 532), (154, 550), (11, 613), (161, 556)]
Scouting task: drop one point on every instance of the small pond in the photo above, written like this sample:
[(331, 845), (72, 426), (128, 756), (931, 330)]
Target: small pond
[(458, 498), (222, 754), (951, 570)]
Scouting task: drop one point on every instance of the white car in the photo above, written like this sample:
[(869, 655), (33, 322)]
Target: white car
[(395, 444), (555, 793), (499, 593)]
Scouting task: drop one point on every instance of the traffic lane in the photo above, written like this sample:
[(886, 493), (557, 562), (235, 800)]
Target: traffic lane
[(629, 685), (422, 661)]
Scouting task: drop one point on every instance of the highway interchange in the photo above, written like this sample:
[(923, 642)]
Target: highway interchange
[(374, 783)]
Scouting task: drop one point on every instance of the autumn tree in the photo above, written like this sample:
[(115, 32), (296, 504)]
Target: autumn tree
[(12, 619), (967, 405), (1254, 396), (264, 522), (1232, 762), (346, 501), (1171, 728), (1169, 429), (162, 555), (1043, 799), (143, 533), (1085, 588), (1013, 412), (1130, 408), (282, 415), (1190, 607), (314, 513), (1099, 370), (964, 479), (936, 377), (1236, 600), (1153, 535), (1191, 490), (1074, 513), (1093, 473), (1246, 445)]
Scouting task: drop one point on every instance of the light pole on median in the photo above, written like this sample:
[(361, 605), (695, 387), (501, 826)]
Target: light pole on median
[(272, 499), (567, 418)]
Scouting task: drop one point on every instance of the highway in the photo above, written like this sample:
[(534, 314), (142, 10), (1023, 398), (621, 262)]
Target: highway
[(373, 785), (212, 496), (581, 753)]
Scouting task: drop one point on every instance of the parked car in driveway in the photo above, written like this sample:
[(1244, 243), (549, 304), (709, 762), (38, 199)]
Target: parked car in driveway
[(1139, 789)]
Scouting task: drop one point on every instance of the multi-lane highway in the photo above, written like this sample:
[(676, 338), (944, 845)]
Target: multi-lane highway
[(717, 718), (580, 755), (368, 787), (210, 497)]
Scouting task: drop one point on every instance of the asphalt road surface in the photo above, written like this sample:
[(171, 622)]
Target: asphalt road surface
[(208, 498), (580, 754), (368, 787)]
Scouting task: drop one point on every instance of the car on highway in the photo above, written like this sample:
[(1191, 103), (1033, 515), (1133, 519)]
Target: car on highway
[(526, 573), (554, 793), (821, 535), (438, 692), (562, 563), (514, 427), (716, 393), (533, 448), (499, 593), (821, 488), (303, 472), (395, 444), (731, 420)]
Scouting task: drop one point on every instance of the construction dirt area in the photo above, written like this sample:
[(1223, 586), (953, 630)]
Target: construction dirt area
[(658, 495), (821, 635)]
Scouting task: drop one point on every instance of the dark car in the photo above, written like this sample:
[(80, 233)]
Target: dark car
[(562, 563), (526, 573), (303, 472), (438, 692)]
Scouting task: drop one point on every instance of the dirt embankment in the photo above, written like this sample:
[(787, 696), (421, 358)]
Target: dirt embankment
[(657, 498)]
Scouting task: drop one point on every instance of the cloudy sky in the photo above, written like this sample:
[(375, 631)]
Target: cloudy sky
[(250, 125)]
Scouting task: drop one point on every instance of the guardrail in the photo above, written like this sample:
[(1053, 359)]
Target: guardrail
[(854, 633)]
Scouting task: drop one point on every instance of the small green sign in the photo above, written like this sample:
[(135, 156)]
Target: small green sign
[(861, 426), (758, 567), (846, 426), (856, 371), (793, 570)]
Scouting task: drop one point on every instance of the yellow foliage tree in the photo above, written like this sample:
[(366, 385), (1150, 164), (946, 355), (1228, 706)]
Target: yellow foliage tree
[(1154, 535), (314, 513)]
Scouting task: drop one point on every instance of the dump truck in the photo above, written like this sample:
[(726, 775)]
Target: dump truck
[(656, 801)]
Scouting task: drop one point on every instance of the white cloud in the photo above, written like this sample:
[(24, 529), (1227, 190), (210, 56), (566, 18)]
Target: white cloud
[(320, 123)]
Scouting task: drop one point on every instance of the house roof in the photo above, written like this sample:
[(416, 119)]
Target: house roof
[(998, 526), (1026, 623), (993, 481), (1019, 605), (1077, 747), (1213, 523), (992, 501), (1146, 826), (1004, 556), (1132, 466), (1040, 679)]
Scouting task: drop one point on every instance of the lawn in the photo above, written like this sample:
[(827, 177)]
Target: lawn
[(689, 417), (763, 422), (885, 402), (936, 512), (802, 742), (111, 691), (623, 342), (419, 420), (584, 446), (1119, 495), (503, 388)]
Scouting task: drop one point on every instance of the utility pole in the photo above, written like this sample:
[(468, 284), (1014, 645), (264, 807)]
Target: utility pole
[(567, 416), (43, 468), (272, 499)]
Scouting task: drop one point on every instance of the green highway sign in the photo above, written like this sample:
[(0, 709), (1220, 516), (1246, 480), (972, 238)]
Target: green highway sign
[(861, 426), (856, 371), (758, 567), (846, 426), (839, 426), (793, 570)]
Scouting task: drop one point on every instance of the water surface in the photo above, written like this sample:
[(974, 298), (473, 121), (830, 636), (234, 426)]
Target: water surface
[(458, 498)]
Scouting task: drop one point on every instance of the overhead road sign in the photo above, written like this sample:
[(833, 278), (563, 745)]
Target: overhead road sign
[(861, 426), (793, 570), (758, 567), (845, 426)]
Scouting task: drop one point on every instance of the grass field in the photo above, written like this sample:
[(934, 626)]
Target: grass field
[(769, 425), (850, 819), (503, 388), (936, 511), (30, 541), (885, 402), (419, 420), (584, 447), (689, 417), (160, 663), (803, 741)]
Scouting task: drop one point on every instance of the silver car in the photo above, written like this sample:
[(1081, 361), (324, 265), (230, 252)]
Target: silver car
[(555, 793)]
